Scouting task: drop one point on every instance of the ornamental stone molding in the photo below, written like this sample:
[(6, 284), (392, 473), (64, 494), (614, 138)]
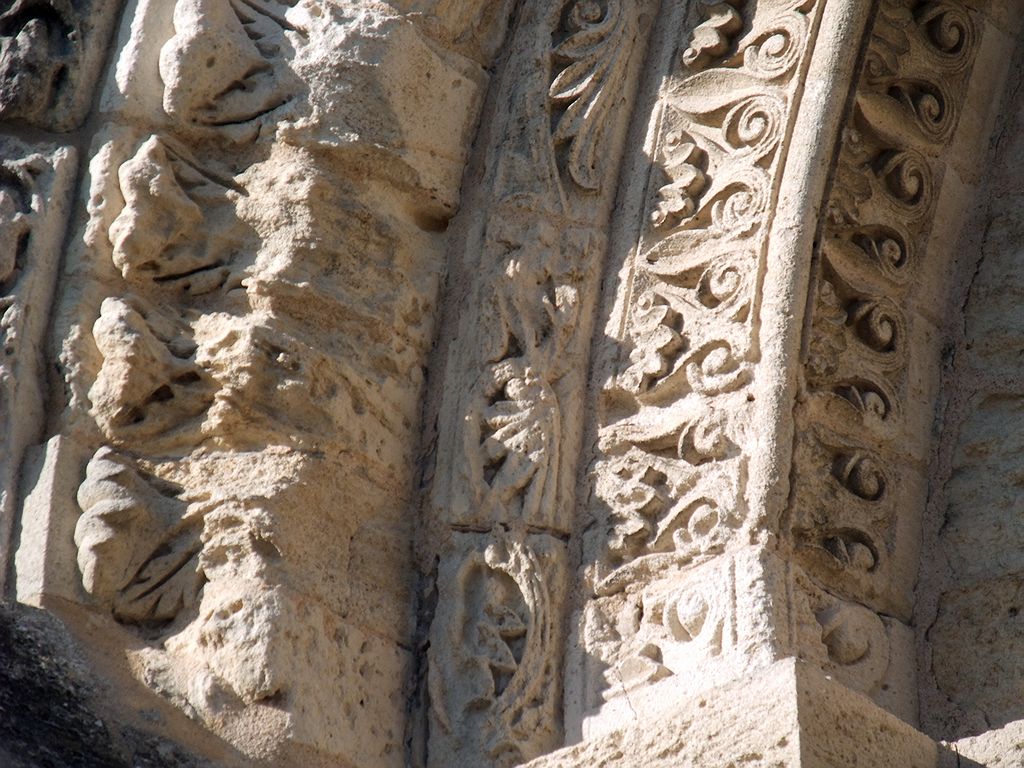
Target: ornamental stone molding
[(466, 383)]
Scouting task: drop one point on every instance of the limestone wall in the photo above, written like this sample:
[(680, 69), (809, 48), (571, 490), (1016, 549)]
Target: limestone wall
[(478, 382)]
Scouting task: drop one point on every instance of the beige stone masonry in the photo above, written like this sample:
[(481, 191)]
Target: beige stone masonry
[(469, 383)]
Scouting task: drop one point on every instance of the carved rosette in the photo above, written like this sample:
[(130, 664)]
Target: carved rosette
[(673, 447), (854, 522)]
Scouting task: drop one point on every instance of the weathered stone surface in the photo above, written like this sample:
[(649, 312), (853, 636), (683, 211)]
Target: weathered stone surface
[(52, 713), (971, 588), (465, 383), (51, 56)]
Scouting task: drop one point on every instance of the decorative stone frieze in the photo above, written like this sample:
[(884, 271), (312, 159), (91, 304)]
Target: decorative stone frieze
[(677, 361), (551, 382), (862, 426), (242, 341), (510, 418)]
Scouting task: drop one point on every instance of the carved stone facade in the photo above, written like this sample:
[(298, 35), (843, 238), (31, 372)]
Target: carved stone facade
[(489, 382)]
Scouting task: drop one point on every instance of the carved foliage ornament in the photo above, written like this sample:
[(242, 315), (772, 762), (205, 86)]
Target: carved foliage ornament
[(673, 445), (854, 440), (590, 56)]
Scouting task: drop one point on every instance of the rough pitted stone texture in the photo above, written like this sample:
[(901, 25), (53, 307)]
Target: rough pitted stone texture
[(972, 588), (470, 383), (51, 710)]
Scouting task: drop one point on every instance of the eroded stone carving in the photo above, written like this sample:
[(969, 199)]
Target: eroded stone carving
[(35, 186), (673, 446), (510, 428), (242, 343), (500, 601), (50, 55)]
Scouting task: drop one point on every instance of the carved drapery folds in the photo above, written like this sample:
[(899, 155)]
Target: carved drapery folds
[(673, 444), (510, 416), (861, 442)]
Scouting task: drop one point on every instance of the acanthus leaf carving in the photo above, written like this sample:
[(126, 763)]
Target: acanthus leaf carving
[(219, 69), (591, 63), (149, 386), (138, 544), (165, 235)]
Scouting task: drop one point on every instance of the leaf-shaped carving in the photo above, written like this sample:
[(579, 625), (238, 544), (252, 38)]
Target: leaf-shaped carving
[(218, 69), (678, 200), (501, 620), (137, 546), (713, 36), (656, 330), (163, 234), (38, 45), (167, 582), (591, 65), (149, 385), (518, 445)]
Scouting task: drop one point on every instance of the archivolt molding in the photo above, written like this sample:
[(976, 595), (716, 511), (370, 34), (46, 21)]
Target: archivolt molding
[(674, 443), (860, 446)]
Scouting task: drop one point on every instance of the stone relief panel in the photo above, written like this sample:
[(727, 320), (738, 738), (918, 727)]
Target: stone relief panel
[(500, 599), (675, 370), (242, 341), (51, 53), (510, 416), (862, 425)]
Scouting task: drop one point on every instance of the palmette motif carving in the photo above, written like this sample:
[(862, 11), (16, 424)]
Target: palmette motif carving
[(507, 477), (591, 62), (854, 448)]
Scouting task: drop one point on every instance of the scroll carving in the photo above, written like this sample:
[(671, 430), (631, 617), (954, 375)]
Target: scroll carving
[(670, 471), (511, 420), (674, 407), (856, 505), (878, 220)]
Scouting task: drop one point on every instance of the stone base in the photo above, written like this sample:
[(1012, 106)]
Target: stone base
[(788, 715)]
